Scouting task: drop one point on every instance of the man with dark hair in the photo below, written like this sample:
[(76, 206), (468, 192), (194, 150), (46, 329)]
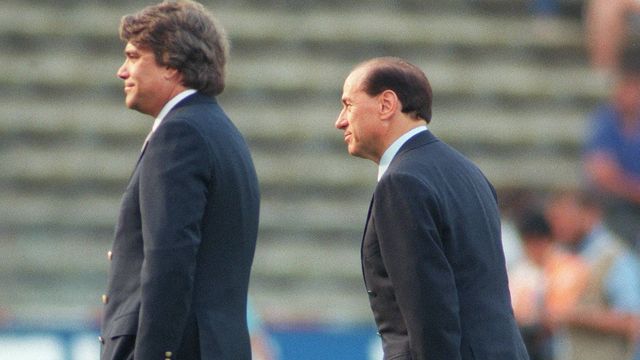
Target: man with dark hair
[(612, 151), (605, 323), (432, 258), (186, 234), (545, 285)]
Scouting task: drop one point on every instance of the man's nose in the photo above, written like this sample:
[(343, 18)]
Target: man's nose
[(341, 122), (123, 73)]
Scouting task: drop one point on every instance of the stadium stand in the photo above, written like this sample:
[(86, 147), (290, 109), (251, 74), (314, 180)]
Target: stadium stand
[(513, 101)]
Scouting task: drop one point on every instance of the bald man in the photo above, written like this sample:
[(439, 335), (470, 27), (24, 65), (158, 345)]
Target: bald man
[(432, 256)]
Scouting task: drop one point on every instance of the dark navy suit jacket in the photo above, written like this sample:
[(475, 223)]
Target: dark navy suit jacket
[(433, 262), (184, 243)]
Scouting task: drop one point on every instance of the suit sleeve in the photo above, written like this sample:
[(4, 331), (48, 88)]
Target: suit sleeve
[(174, 178), (407, 219)]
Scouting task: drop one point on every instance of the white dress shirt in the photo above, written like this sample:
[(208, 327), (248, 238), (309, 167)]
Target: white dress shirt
[(165, 110), (392, 150)]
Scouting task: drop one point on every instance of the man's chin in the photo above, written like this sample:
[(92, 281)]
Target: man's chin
[(129, 103), (355, 152), (132, 105)]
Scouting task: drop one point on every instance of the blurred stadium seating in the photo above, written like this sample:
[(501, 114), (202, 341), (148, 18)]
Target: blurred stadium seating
[(511, 97)]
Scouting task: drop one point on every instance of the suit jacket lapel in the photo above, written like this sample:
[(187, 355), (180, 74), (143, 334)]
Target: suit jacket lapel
[(144, 148), (183, 102), (366, 225)]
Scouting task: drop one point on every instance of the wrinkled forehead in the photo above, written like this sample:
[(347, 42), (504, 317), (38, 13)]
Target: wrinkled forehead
[(353, 83), (131, 47)]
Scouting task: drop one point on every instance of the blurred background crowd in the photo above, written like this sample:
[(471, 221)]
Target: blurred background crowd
[(544, 95)]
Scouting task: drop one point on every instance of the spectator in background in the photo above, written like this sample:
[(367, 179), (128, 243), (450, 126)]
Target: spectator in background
[(545, 285), (607, 28), (545, 8), (604, 323), (612, 151)]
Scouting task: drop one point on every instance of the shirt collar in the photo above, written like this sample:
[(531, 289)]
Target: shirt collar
[(392, 150), (170, 105)]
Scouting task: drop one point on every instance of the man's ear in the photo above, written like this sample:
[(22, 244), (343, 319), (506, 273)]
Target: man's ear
[(388, 102), (172, 74)]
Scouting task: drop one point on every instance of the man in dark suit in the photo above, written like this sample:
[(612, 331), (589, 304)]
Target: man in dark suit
[(186, 234), (432, 256)]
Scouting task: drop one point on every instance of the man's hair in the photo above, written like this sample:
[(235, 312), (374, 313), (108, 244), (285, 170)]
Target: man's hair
[(406, 80), (184, 36), (630, 60), (532, 223)]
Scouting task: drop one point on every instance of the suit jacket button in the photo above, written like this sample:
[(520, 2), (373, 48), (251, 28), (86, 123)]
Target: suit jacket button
[(101, 339), (168, 355), (110, 255), (105, 299), (371, 293)]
